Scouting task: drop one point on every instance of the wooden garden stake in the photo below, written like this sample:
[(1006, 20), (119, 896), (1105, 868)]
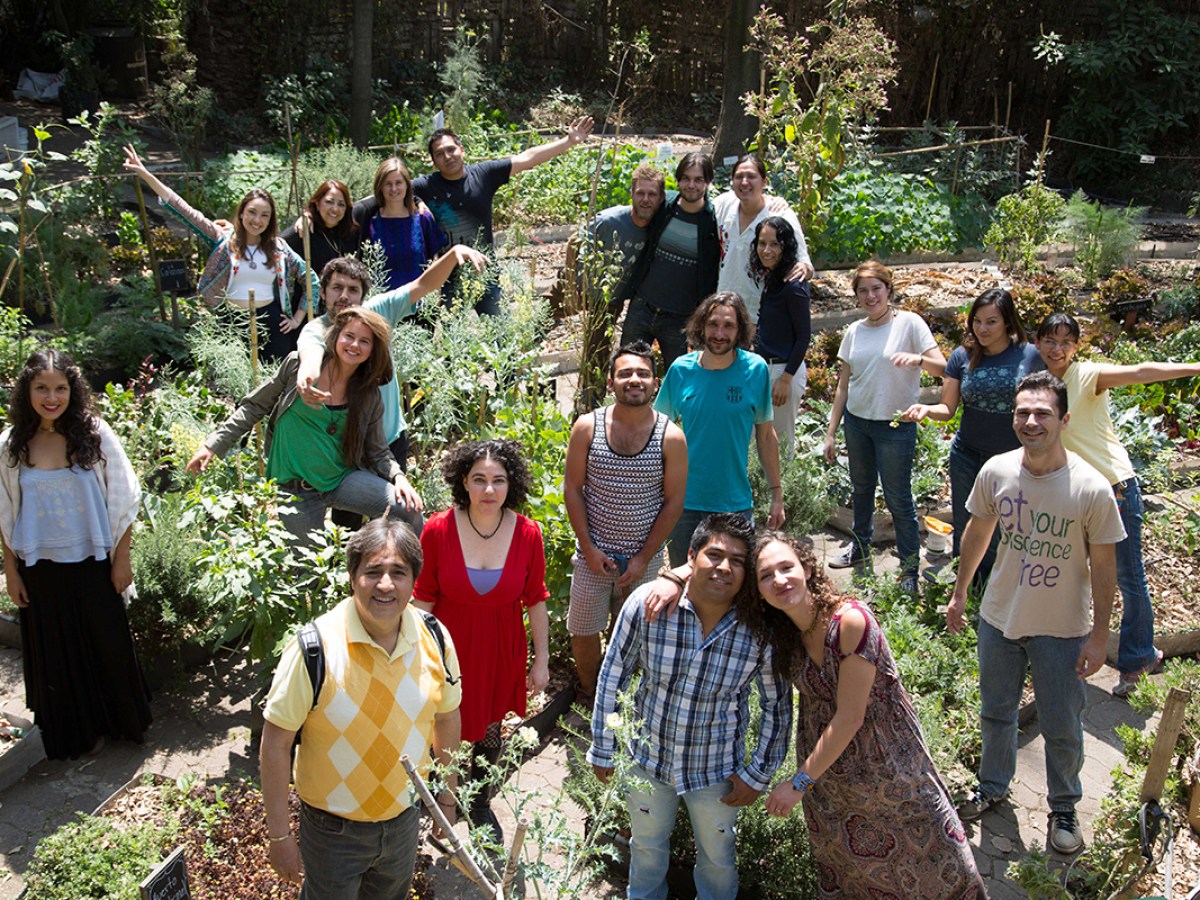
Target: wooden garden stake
[(1045, 144), (304, 233), (510, 869), (1169, 727), (258, 441), (1008, 109), (470, 867), (932, 81), (1194, 792), (162, 308)]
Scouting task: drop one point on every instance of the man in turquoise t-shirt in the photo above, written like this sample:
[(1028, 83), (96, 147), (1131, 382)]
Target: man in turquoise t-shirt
[(344, 283), (721, 394)]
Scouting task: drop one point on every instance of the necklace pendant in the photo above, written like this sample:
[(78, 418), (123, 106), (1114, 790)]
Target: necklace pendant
[(253, 264), (332, 429)]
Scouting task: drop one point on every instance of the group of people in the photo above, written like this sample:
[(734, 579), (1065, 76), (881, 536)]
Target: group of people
[(432, 647)]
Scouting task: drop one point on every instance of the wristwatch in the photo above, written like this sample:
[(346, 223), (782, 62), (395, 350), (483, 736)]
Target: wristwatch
[(803, 783)]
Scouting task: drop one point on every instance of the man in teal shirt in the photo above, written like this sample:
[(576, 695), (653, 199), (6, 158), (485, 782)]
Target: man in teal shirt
[(721, 395)]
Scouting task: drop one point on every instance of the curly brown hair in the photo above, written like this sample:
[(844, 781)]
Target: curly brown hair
[(699, 318), (457, 466), (769, 624), (77, 423)]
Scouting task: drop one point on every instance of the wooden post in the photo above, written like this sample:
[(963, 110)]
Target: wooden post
[(1169, 727), (258, 435), (932, 81), (141, 199), (1194, 793), (1042, 157), (510, 870), (1008, 109), (460, 852), (305, 229)]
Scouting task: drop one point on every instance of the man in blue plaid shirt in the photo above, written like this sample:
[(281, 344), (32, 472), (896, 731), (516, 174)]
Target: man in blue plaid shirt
[(697, 668)]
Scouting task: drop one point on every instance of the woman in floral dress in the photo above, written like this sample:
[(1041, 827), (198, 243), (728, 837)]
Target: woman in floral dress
[(880, 821)]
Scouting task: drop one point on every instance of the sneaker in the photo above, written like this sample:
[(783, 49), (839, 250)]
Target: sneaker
[(851, 556), (1129, 680), (1064, 834), (908, 584), (976, 804)]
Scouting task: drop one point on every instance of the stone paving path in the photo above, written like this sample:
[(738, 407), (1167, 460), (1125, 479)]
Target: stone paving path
[(202, 725)]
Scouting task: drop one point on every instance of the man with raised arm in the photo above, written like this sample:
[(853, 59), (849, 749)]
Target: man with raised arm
[(698, 668), (1047, 604), (460, 195), (1093, 437), (624, 485)]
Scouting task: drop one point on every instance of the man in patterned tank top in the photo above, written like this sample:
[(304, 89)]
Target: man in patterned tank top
[(624, 488)]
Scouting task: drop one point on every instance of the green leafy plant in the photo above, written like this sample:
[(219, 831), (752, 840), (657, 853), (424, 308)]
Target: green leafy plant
[(1131, 82), (1104, 238), (91, 858), (178, 101), (874, 212), (821, 86), (314, 101), (1022, 223)]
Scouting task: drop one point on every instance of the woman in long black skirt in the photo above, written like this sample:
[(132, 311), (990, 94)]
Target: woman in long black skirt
[(68, 499)]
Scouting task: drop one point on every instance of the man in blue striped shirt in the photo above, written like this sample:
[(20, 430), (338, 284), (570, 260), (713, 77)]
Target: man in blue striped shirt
[(697, 669)]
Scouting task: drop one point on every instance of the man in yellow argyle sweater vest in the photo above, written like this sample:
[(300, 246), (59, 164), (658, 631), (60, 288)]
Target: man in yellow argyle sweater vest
[(388, 691)]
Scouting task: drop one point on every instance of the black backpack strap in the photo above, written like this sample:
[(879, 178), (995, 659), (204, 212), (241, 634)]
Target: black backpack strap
[(435, 628), (313, 652)]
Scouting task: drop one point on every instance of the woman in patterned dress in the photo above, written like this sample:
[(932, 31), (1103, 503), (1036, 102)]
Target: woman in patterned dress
[(880, 821)]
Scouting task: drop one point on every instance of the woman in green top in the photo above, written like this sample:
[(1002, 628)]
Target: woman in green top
[(333, 455)]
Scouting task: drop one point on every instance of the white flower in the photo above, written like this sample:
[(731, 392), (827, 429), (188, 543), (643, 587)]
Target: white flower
[(613, 720), (527, 736)]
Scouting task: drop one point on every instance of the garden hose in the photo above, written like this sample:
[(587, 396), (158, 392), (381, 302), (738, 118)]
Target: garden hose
[(1152, 820)]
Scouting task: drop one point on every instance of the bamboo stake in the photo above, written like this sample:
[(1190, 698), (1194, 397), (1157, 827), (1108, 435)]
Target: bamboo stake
[(1042, 157), (510, 870), (304, 233), (293, 152), (1008, 108), (932, 81), (258, 436), (460, 851), (141, 199), (979, 143)]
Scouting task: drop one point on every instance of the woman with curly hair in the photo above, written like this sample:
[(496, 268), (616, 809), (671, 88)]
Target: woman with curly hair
[(406, 232), (784, 322), (332, 454), (252, 258), (879, 818), (484, 567), (332, 229), (68, 499)]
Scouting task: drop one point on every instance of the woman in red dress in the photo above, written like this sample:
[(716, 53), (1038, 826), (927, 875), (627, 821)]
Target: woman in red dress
[(484, 567)]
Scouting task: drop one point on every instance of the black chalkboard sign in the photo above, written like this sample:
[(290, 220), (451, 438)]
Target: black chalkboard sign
[(173, 275), (169, 879)]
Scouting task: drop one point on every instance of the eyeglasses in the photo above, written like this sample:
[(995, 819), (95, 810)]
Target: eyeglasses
[(1052, 344)]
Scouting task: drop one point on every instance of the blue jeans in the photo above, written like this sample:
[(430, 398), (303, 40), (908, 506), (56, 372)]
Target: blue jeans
[(345, 860), (965, 464), (681, 535), (360, 492), (652, 818), (1137, 615), (877, 451), (644, 322), (1059, 696)]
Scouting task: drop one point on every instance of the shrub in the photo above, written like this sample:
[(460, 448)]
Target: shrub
[(91, 858), (1022, 223), (1104, 238)]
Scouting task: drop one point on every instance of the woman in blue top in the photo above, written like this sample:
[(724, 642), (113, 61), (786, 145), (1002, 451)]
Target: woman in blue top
[(784, 322), (409, 236), (983, 375)]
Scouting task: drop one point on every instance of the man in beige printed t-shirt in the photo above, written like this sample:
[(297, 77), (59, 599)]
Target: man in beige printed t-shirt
[(1048, 602)]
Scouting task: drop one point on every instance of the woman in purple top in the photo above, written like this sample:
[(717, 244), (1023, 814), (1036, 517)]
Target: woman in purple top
[(983, 375), (409, 236)]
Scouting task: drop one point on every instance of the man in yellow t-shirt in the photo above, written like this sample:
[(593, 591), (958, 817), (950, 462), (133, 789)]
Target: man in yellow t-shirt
[(1093, 437), (389, 690)]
